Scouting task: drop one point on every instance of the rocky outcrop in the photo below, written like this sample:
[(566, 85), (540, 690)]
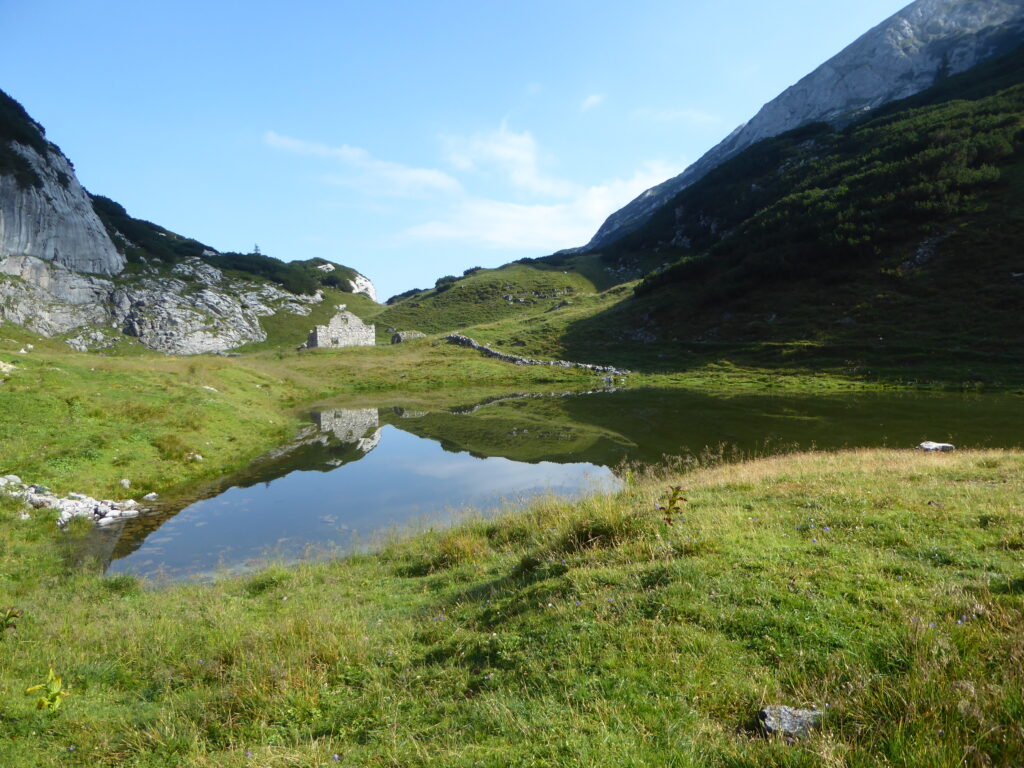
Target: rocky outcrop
[(71, 506), (194, 310), (400, 336), (907, 53), (62, 275), (362, 284), (55, 220), (465, 341)]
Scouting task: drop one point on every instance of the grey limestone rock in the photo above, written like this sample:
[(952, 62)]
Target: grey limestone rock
[(401, 336), (905, 54), (777, 719), (362, 284), (207, 313), (54, 222)]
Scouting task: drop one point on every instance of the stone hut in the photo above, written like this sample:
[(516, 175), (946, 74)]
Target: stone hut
[(344, 330)]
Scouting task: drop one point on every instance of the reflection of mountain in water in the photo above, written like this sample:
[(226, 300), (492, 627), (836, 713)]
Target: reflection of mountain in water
[(340, 436)]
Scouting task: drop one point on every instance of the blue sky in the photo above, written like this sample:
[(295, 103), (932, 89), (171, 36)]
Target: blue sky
[(408, 140)]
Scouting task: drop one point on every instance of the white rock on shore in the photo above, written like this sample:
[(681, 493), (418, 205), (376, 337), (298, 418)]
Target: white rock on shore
[(101, 512)]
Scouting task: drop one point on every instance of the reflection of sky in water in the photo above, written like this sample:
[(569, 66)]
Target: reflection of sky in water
[(404, 480)]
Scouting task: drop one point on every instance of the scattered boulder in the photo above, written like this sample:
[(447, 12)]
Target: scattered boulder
[(101, 512), (928, 445), (401, 336), (126, 483), (788, 722)]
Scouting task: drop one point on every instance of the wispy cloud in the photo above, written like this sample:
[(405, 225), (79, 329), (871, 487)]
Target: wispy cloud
[(557, 213), (512, 154), (593, 100), (500, 224), (370, 174), (695, 117)]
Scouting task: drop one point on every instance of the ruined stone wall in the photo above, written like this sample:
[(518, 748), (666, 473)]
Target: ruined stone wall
[(344, 330)]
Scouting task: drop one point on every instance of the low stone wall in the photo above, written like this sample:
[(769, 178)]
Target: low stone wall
[(465, 341)]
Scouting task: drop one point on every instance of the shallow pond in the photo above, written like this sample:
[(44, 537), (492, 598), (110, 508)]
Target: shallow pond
[(358, 475)]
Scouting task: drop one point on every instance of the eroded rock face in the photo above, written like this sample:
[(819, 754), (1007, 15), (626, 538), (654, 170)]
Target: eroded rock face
[(905, 54), (203, 311), (54, 222), (362, 284)]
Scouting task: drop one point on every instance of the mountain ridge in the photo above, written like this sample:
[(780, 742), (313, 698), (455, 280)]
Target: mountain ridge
[(905, 54), (79, 266)]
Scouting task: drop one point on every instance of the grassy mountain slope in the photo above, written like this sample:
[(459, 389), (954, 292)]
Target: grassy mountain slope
[(892, 243), (515, 290)]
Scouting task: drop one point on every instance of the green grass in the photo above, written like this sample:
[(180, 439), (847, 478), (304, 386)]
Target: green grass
[(287, 331), (82, 421), (481, 298), (884, 584)]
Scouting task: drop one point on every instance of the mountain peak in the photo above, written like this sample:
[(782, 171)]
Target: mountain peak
[(905, 54)]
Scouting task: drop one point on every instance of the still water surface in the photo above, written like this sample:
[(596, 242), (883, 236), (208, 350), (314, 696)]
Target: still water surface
[(358, 475)]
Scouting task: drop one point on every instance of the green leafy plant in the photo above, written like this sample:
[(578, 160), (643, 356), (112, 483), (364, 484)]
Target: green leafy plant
[(53, 692), (673, 506), (9, 619)]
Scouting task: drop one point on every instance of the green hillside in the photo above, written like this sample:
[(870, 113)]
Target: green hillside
[(890, 244), (516, 290)]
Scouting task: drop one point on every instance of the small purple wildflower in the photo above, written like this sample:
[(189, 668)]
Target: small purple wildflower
[(336, 757), (248, 753), (931, 624), (814, 541)]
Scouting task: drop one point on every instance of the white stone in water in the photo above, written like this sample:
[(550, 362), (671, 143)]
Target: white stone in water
[(928, 445), (150, 497)]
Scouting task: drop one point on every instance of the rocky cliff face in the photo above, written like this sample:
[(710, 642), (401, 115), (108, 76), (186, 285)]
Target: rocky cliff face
[(362, 284), (907, 53), (62, 274), (196, 310), (54, 220)]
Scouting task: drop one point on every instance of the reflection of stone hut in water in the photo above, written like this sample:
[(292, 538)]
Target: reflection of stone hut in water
[(358, 426), (344, 330)]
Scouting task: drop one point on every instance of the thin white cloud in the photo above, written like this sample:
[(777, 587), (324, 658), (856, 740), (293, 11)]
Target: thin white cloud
[(694, 117), (593, 100), (499, 224), (570, 219), (372, 175), (512, 154)]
